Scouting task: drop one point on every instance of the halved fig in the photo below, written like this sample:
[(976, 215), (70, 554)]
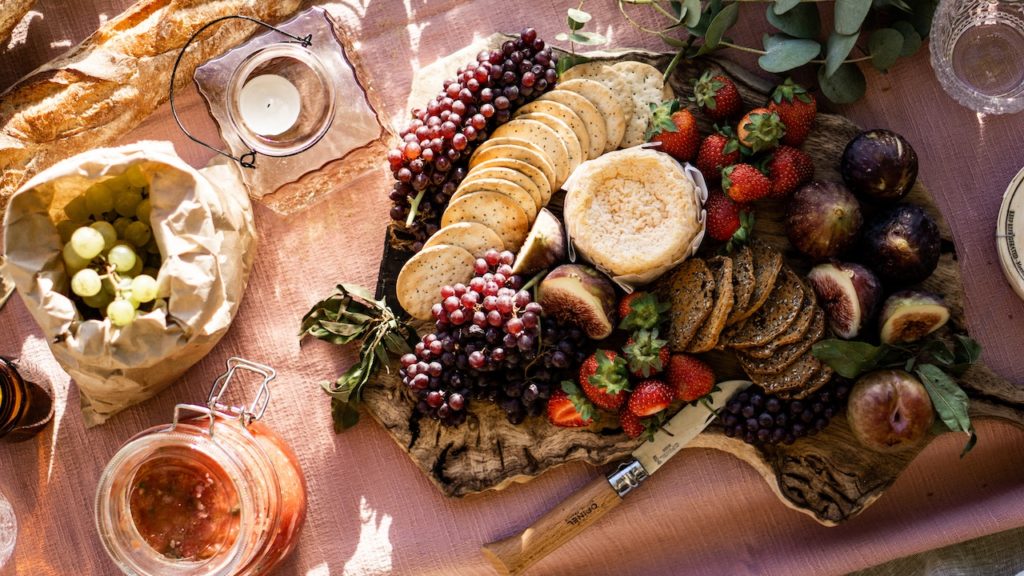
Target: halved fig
[(544, 246), (909, 315), (581, 295), (849, 293)]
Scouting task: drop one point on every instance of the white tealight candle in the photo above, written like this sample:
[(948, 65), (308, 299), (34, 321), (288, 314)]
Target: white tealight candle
[(269, 104)]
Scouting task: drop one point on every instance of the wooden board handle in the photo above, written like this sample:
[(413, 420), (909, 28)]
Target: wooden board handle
[(516, 553)]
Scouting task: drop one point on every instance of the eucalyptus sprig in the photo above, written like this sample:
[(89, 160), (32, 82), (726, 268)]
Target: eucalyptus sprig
[(577, 19), (349, 314), (932, 359)]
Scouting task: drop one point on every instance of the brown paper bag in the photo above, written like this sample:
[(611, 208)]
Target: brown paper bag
[(203, 224)]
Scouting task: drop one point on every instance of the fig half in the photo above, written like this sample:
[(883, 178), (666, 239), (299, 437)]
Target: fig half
[(581, 295), (849, 293), (909, 315), (544, 246)]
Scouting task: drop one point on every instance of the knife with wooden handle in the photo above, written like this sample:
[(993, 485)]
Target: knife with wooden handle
[(516, 553)]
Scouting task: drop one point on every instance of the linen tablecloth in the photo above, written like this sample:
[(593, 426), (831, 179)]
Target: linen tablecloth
[(371, 510)]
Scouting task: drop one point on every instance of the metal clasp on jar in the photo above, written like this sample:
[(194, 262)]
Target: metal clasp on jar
[(215, 409)]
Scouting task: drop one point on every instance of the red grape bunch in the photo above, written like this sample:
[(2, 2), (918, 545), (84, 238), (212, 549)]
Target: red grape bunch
[(431, 159)]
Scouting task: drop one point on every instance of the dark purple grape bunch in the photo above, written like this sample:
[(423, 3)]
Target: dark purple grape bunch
[(762, 419), (430, 161)]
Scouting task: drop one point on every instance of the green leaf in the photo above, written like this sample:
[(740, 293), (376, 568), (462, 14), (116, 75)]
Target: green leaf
[(800, 22), (693, 12), (789, 54), (837, 49), (562, 37), (718, 26), (849, 15), (885, 46), (706, 16), (566, 61), (939, 352), (678, 9), (950, 401), (577, 18), (848, 358), (972, 441), (395, 344), (966, 350), (924, 10), (911, 39), (846, 85), (358, 291), (782, 6), (344, 415), (587, 38), (672, 40)]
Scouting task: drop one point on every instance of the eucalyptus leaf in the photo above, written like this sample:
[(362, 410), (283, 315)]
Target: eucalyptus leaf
[(849, 15), (566, 61), (837, 49), (672, 40), (849, 358), (677, 9), (782, 6), (587, 38), (770, 40), (846, 85), (789, 54), (921, 18), (718, 26), (693, 12), (911, 39), (802, 21), (706, 16), (562, 37), (578, 16), (885, 46)]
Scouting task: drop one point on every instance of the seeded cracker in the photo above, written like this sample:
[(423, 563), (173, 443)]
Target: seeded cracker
[(470, 236), (529, 170), (573, 146), (611, 79), (772, 319), (514, 176), (496, 211), (814, 333), (544, 138), (707, 337), (742, 282), (513, 191), (646, 87), (691, 294), (420, 281), (526, 153), (767, 264), (606, 103), (566, 115), (597, 131)]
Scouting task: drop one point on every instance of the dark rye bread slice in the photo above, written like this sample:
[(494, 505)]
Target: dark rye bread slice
[(794, 333), (778, 313), (690, 291), (771, 350), (742, 282), (793, 379), (711, 329), (767, 265), (823, 377)]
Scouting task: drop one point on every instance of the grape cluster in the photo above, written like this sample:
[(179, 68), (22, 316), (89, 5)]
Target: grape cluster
[(762, 419), (491, 342), (431, 160)]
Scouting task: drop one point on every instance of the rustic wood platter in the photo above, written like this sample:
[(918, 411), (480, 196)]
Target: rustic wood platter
[(827, 476)]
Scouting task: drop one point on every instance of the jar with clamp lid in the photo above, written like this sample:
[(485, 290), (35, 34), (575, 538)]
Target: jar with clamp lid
[(216, 492)]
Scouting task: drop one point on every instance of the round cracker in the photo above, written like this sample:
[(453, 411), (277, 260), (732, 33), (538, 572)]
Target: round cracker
[(514, 176), (516, 149), (494, 210), (563, 113), (475, 238), (612, 79), (597, 130), (532, 172), (546, 138), (602, 98), (573, 145), (506, 187), (419, 282), (646, 87)]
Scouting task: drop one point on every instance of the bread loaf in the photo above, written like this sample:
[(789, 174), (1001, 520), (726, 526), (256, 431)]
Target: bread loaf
[(11, 12), (113, 80)]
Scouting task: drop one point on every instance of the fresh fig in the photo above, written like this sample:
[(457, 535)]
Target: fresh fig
[(909, 315), (544, 246), (879, 165), (902, 244), (849, 293), (582, 295), (823, 220), (889, 410)]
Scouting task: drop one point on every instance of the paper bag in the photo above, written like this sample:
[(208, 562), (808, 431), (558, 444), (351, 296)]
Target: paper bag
[(203, 225)]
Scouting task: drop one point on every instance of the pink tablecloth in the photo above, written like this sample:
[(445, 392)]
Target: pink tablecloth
[(372, 511)]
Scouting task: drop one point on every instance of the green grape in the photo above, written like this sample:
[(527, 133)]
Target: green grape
[(138, 233), (106, 229), (100, 301), (120, 225), (86, 282), (144, 210), (135, 176), (121, 312), (72, 261), (99, 199), (137, 269), (87, 242), (122, 257), (67, 227), (118, 185), (152, 247), (151, 272), (144, 288), (127, 202), (76, 210)]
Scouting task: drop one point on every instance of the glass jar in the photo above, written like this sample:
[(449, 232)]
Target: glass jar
[(26, 408), (215, 493)]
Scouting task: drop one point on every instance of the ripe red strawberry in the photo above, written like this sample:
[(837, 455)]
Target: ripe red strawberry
[(717, 96), (646, 354), (728, 221), (650, 397), (604, 379), (690, 376), (568, 408), (796, 108), (788, 169), (718, 151), (744, 183), (676, 129), (641, 311), (631, 423), (761, 129)]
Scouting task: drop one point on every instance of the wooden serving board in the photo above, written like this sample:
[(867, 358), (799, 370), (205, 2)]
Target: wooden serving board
[(827, 476)]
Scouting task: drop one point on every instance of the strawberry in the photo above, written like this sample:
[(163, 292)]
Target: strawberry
[(716, 96), (744, 183), (604, 379), (788, 169), (568, 408), (641, 311), (676, 130), (689, 376), (796, 108), (728, 221), (631, 423), (645, 353), (717, 151), (761, 129), (650, 397)]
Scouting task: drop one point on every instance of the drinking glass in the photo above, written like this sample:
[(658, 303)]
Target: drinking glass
[(977, 52), (8, 530)]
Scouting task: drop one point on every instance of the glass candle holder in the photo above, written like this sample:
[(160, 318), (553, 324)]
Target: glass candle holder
[(26, 408)]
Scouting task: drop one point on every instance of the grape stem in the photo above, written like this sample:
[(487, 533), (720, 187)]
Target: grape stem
[(415, 207), (536, 279)]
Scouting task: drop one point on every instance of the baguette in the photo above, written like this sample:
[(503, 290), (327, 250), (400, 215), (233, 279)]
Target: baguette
[(11, 12), (108, 84)]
